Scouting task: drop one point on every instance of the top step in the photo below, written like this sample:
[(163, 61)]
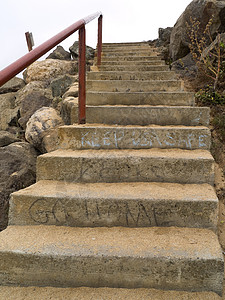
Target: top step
[(125, 44)]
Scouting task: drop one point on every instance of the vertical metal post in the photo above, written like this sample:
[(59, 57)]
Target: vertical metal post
[(82, 76), (99, 40), (29, 42)]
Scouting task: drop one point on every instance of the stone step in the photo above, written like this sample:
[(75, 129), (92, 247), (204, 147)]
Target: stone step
[(129, 53), (140, 98), (84, 293), (123, 75), (144, 115), (129, 48), (137, 68), (125, 44), (133, 204), (130, 86), (159, 165), (169, 258), (149, 58), (101, 136), (157, 62)]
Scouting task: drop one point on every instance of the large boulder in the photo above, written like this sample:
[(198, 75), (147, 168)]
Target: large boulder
[(202, 10), (9, 109), (74, 49), (17, 171), (42, 123), (49, 69), (31, 102), (60, 53), (12, 85)]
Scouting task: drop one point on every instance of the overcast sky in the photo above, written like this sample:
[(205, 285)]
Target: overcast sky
[(124, 21)]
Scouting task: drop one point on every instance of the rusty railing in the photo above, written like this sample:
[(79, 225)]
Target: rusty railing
[(23, 62)]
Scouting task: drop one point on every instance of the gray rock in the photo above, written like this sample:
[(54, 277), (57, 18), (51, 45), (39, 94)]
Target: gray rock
[(202, 10), (40, 123), (60, 53), (164, 36), (7, 138), (74, 49), (31, 102), (60, 85), (12, 85), (185, 66), (9, 109), (17, 171)]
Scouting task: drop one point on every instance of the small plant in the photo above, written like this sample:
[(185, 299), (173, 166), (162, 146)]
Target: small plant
[(209, 96), (208, 54)]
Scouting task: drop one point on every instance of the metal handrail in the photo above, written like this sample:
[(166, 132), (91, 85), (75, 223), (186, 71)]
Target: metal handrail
[(23, 62)]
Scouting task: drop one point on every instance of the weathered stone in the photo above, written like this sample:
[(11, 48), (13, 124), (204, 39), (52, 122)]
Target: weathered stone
[(31, 102), (17, 171), (115, 204), (135, 137), (202, 10), (164, 36), (129, 86), (60, 53), (164, 258), (49, 69), (38, 126), (9, 108), (140, 98), (61, 84), (185, 66), (72, 91), (126, 75), (74, 49), (85, 293), (12, 85), (143, 165), (67, 109), (7, 138)]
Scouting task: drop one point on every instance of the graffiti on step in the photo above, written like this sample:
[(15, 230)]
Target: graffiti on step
[(142, 139), (87, 213)]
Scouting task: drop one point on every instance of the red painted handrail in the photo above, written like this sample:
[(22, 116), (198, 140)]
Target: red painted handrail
[(23, 62)]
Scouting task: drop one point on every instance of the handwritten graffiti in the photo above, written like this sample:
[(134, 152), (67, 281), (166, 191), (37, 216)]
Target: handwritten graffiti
[(59, 211), (142, 139)]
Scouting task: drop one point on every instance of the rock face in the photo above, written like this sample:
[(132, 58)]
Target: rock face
[(60, 85), (74, 49), (7, 138), (12, 85), (202, 10), (9, 109), (39, 125), (164, 36), (32, 101), (49, 69), (60, 53), (17, 170)]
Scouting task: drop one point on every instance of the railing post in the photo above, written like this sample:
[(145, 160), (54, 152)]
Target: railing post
[(99, 40), (82, 76)]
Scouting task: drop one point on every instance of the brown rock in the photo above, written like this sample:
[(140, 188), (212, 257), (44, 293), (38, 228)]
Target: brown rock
[(12, 85), (39, 125), (49, 69)]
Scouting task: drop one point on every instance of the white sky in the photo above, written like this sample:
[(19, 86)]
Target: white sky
[(123, 21)]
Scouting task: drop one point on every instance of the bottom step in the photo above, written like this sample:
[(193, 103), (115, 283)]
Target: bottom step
[(163, 258), (49, 293)]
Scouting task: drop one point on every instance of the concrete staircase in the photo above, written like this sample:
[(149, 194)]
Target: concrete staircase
[(131, 192)]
